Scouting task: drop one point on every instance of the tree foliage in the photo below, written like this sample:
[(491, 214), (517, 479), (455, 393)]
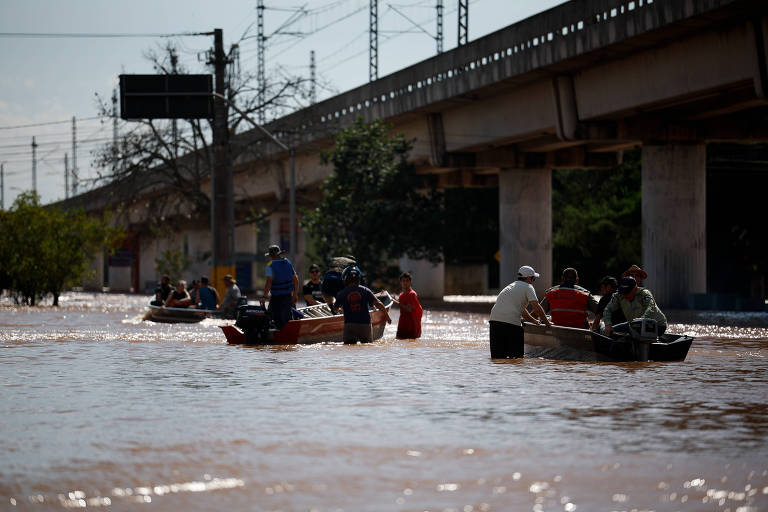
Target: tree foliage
[(596, 219), (374, 205), (44, 250)]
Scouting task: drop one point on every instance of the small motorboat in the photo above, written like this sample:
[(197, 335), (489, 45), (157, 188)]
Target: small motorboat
[(166, 315), (317, 324), (641, 343)]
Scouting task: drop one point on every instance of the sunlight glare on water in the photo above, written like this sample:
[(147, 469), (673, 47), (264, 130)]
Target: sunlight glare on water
[(104, 410)]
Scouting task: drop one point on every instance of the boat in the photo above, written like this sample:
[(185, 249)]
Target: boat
[(167, 315), (317, 325), (640, 344)]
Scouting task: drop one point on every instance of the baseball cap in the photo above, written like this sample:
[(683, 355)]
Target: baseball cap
[(626, 285), (526, 271)]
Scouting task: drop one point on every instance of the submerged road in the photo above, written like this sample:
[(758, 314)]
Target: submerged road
[(102, 410)]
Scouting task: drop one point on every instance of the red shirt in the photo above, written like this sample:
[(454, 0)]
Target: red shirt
[(409, 325)]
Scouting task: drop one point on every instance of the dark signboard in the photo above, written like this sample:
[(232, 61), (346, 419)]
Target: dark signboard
[(166, 96)]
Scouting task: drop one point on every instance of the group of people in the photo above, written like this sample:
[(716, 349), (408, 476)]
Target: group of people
[(569, 305), (200, 295), (341, 288)]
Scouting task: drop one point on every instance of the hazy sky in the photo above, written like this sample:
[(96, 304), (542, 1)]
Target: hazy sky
[(51, 79)]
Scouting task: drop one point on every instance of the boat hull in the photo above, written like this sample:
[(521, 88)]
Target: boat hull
[(583, 345), (308, 330), (162, 314)]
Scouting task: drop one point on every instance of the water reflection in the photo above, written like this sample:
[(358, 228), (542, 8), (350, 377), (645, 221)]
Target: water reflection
[(103, 410)]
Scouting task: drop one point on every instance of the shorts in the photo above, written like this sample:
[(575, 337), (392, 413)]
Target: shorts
[(506, 340), (357, 332)]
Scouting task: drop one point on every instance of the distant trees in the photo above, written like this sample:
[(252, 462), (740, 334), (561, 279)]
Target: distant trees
[(44, 250), (374, 205)]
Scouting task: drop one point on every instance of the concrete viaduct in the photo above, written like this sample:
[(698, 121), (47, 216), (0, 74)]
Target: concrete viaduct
[(570, 87)]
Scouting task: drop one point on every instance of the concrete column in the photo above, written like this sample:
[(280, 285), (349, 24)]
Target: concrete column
[(428, 279), (674, 221), (525, 224)]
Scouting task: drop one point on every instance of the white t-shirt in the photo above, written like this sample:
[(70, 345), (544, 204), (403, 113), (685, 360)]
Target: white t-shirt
[(511, 301)]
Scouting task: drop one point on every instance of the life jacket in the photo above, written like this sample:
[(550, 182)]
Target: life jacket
[(568, 306), (282, 277)]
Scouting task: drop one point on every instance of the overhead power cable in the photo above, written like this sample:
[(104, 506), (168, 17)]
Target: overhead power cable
[(81, 35), (47, 123)]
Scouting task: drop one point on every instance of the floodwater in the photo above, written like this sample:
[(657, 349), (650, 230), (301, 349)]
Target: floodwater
[(101, 410)]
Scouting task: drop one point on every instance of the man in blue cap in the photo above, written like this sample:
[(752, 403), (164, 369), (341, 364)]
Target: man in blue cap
[(635, 302), (282, 283)]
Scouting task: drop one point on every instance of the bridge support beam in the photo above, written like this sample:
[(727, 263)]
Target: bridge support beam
[(525, 224), (674, 221)]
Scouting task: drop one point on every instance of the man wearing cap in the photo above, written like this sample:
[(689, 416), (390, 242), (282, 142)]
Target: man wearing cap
[(228, 306), (506, 331), (568, 303), (608, 286), (283, 284), (355, 300), (634, 302), (311, 290)]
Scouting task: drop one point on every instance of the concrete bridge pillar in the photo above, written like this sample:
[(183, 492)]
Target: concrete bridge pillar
[(674, 221), (525, 224)]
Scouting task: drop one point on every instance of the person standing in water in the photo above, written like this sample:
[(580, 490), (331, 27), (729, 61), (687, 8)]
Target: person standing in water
[(409, 325)]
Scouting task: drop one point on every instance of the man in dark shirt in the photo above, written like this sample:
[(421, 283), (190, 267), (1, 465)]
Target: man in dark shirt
[(312, 289), (355, 301), (162, 291), (608, 286)]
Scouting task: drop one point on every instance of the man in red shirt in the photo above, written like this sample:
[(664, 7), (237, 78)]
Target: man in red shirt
[(409, 325), (568, 303)]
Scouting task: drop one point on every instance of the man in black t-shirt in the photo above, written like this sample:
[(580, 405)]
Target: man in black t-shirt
[(608, 286), (311, 290)]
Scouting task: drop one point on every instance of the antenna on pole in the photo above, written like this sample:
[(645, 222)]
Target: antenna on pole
[(373, 40), (66, 177), (312, 78), (34, 165), (260, 69), (463, 22), (439, 36), (74, 157)]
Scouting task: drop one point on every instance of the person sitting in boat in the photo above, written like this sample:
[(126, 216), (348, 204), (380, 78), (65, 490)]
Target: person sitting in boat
[(568, 303), (162, 291), (206, 296), (355, 301), (179, 298), (409, 325), (283, 284), (608, 286), (506, 327), (311, 291), (333, 282), (634, 302), (228, 306), (639, 274)]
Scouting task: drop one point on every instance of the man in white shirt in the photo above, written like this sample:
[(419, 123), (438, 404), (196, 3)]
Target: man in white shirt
[(507, 314)]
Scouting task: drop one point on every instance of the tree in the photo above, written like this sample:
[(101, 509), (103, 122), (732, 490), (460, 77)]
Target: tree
[(596, 219), (374, 205), (45, 250)]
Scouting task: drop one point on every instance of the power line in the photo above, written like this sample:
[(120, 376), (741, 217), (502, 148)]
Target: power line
[(80, 35), (46, 123)]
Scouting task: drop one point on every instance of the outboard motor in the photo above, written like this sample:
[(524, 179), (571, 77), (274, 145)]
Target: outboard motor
[(254, 321), (643, 331)]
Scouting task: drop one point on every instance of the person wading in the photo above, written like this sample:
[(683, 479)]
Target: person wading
[(355, 301), (283, 284), (506, 331)]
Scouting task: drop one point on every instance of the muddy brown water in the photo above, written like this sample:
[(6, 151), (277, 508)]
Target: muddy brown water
[(101, 410)]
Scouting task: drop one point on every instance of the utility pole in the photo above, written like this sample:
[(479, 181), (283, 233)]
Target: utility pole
[(174, 126), (463, 22), (373, 41), (439, 36), (2, 186), (115, 148), (74, 157), (66, 177), (261, 40), (222, 189), (34, 166), (312, 79)]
